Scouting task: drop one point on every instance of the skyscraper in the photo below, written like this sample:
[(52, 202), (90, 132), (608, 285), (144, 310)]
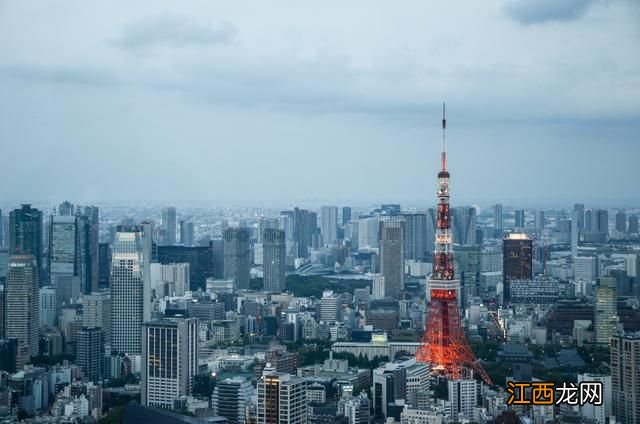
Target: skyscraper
[(169, 225), (63, 258), (127, 297), (48, 306), (575, 233), (621, 222), (517, 256), (104, 265), (90, 352), (346, 215), (606, 312), (625, 377), (578, 210), (633, 224), (329, 224), (368, 232), (187, 233), (519, 218), (274, 261), (22, 317), (392, 256), (539, 220), (463, 225), (96, 312), (25, 234), (589, 221), (415, 235), (237, 256), (169, 360), (602, 221), (231, 398), (497, 217), (281, 398)]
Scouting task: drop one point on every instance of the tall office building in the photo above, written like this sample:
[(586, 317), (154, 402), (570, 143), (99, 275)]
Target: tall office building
[(63, 258), (265, 223), (539, 220), (231, 398), (2, 306), (497, 217), (90, 352), (517, 257), (300, 226), (104, 265), (519, 218), (392, 256), (602, 221), (169, 225), (575, 233), (48, 306), (127, 292), (415, 236), (625, 377), (589, 220), (330, 307), (346, 215), (88, 236), (463, 225), (578, 212), (25, 234), (187, 233), (96, 312), (633, 224), (169, 360), (217, 258), (1, 229), (606, 313), (329, 224), (282, 398), (621, 222), (463, 395), (237, 256), (274, 260), (22, 317)]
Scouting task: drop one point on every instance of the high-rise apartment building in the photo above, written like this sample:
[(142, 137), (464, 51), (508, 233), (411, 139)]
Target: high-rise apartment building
[(25, 234), (274, 260), (621, 222), (169, 225), (606, 313), (169, 360), (625, 377), (539, 220), (127, 292), (578, 210), (463, 395), (598, 413), (368, 232), (231, 398), (329, 224), (237, 256), (633, 224), (517, 257), (392, 256), (22, 317), (282, 398)]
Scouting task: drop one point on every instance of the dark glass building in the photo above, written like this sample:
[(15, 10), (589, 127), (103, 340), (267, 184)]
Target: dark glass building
[(517, 257)]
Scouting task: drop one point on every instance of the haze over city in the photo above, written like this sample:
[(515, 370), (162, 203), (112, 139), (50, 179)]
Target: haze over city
[(333, 102)]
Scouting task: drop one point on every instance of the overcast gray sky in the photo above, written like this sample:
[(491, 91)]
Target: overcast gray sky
[(332, 100)]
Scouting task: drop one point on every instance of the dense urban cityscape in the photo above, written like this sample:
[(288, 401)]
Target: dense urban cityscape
[(320, 213)]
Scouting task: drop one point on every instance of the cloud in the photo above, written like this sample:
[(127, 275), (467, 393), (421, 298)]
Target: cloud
[(530, 12), (82, 75), (174, 31)]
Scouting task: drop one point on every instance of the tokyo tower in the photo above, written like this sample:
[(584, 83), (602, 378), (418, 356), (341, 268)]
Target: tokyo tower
[(444, 344)]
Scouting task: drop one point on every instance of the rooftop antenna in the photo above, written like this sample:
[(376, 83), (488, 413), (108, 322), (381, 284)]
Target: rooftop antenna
[(444, 147)]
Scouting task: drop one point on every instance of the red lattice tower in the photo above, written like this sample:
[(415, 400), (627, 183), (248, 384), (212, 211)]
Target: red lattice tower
[(444, 344)]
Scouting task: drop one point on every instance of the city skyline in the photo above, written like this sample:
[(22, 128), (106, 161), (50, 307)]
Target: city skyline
[(204, 91)]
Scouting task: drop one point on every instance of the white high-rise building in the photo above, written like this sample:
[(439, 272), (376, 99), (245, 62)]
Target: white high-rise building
[(282, 398), (368, 232), (377, 286), (632, 265), (599, 413), (169, 360), (463, 397), (329, 224), (48, 306), (127, 297), (584, 268), (330, 307)]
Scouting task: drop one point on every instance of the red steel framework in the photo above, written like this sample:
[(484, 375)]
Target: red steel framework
[(444, 344)]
